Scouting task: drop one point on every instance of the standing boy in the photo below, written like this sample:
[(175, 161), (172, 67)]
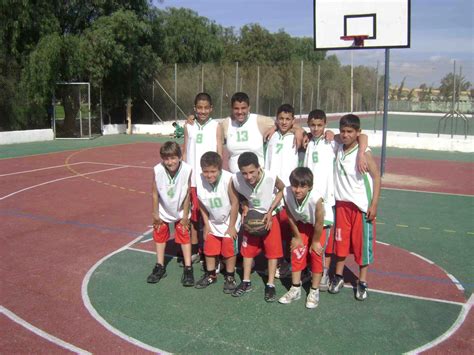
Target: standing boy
[(202, 136), (263, 191), (219, 205), (357, 197), (171, 205), (306, 218)]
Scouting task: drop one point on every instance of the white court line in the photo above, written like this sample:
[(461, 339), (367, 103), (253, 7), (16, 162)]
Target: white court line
[(456, 282), (382, 243), (427, 192), (453, 329), (40, 169), (56, 180), (123, 165), (97, 316), (42, 333), (422, 258)]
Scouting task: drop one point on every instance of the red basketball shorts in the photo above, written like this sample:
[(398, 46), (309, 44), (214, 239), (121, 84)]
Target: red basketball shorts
[(354, 234), (162, 234), (214, 246), (270, 244), (302, 255)]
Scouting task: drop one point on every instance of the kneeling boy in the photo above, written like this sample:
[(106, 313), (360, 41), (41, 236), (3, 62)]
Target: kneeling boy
[(263, 191), (306, 218), (219, 206)]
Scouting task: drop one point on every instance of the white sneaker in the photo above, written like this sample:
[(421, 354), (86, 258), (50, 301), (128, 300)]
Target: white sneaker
[(324, 284), (312, 300), (293, 294), (361, 292)]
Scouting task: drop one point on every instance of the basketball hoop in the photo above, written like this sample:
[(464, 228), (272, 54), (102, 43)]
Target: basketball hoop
[(358, 41)]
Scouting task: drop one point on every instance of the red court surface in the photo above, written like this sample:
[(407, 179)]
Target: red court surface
[(81, 206)]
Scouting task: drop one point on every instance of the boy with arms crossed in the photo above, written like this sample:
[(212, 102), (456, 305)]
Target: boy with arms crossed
[(263, 192), (219, 205), (357, 198), (202, 136), (319, 157), (171, 205), (306, 217)]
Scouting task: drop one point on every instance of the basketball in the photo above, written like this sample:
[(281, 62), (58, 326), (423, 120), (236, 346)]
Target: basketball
[(254, 224)]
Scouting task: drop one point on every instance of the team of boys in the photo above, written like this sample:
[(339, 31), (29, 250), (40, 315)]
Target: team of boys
[(297, 202)]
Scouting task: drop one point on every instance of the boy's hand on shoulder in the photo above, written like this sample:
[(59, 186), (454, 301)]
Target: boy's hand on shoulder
[(329, 135), (269, 133), (362, 164), (232, 232), (317, 247), (301, 138), (190, 119)]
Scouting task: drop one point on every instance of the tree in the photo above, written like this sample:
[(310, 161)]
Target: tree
[(447, 82)]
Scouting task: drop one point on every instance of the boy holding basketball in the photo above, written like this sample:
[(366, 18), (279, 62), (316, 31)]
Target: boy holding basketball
[(306, 218), (171, 205), (357, 198), (203, 135), (263, 191), (219, 205)]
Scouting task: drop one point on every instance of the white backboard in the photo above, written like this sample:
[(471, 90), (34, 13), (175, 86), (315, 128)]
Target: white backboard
[(386, 22)]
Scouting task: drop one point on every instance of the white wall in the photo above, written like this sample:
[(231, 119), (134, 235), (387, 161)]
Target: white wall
[(34, 135)]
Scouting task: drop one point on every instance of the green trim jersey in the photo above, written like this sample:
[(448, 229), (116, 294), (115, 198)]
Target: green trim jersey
[(172, 191), (320, 159), (245, 137), (281, 157), (261, 196), (215, 198), (304, 211), (200, 139), (350, 185)]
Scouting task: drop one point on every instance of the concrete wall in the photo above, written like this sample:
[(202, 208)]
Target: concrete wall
[(34, 135)]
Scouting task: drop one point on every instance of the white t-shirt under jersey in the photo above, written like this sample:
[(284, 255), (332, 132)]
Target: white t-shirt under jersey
[(245, 137), (350, 184), (281, 157), (172, 191), (320, 156), (306, 211), (200, 139), (261, 196), (215, 198)]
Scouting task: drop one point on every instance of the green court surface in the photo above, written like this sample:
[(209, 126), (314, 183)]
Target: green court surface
[(177, 319), (187, 320), (412, 123)]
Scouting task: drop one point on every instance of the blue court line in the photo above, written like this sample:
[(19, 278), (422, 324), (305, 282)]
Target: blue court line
[(51, 220), (421, 278)]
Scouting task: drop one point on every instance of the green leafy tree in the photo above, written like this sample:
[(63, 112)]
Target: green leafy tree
[(447, 83)]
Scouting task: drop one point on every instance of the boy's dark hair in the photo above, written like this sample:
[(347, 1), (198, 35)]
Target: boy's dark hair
[(317, 115), (248, 158), (203, 96), (301, 176), (170, 149), (174, 124), (211, 159), (240, 97), (286, 108), (350, 120)]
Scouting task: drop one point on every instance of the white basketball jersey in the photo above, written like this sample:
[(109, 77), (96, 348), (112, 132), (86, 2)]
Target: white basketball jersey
[(242, 138), (200, 139), (320, 159), (350, 185), (172, 191), (215, 198), (261, 196), (281, 157), (304, 211)]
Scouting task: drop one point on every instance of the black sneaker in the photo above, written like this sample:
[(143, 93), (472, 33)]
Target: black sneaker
[(157, 274), (242, 289), (206, 280), (229, 284), (270, 293), (188, 277)]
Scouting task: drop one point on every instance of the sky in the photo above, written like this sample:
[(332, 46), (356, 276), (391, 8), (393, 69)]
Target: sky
[(442, 31)]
